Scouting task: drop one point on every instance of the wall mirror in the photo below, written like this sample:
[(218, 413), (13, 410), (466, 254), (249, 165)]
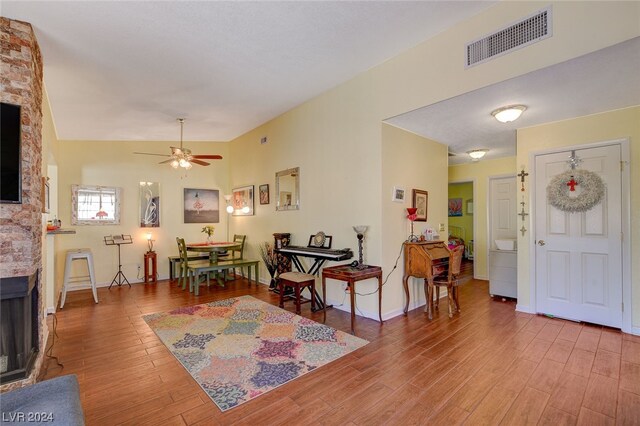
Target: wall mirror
[(95, 205), (288, 189)]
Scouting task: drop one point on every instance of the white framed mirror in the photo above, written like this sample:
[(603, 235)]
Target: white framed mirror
[(288, 189), (95, 205)]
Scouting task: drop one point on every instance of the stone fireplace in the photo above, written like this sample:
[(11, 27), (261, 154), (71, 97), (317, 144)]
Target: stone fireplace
[(21, 225), (19, 324)]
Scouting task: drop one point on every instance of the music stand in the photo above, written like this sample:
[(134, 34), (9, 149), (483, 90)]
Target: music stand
[(118, 240)]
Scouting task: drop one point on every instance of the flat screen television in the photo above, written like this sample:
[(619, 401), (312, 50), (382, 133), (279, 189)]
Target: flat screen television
[(10, 158)]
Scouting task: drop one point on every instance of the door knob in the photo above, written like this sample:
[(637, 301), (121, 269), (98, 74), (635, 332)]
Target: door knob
[(541, 242)]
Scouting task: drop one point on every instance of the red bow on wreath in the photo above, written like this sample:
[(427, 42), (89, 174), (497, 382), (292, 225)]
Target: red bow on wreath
[(572, 184)]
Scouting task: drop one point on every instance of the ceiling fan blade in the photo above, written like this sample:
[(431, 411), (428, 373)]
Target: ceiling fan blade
[(150, 153), (208, 157), (202, 163), (166, 161)]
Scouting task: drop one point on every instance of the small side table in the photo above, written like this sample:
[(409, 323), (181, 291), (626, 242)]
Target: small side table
[(150, 267), (351, 275)]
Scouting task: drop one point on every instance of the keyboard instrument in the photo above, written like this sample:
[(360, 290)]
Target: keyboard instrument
[(317, 252)]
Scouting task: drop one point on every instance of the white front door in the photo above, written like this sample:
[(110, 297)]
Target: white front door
[(579, 255)]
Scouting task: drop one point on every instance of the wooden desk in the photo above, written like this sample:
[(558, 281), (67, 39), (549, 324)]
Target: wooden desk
[(418, 262), (351, 275)]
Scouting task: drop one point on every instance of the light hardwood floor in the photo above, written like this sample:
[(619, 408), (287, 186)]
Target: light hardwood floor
[(487, 365)]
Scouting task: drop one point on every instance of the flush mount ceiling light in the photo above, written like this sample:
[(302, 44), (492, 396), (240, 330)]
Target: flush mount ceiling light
[(509, 113), (477, 154)]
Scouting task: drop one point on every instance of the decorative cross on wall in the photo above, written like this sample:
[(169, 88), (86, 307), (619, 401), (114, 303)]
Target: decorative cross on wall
[(522, 214), (522, 175)]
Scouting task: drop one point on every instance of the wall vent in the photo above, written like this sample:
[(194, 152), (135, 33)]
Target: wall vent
[(529, 30)]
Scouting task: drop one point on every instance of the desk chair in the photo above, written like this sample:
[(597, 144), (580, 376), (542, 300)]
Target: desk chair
[(449, 279)]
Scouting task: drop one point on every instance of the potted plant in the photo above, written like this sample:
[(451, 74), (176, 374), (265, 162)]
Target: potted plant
[(270, 259), (209, 229)]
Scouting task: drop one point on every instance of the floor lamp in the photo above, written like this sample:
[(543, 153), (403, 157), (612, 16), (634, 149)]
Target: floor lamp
[(227, 198)]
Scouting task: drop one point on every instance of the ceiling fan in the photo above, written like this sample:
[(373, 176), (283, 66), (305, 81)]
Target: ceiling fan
[(182, 157)]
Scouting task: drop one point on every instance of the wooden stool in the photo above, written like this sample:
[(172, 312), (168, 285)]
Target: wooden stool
[(298, 281)]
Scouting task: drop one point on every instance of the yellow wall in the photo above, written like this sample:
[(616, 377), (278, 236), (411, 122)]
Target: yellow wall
[(608, 126), (114, 164), (49, 169), (335, 138), (411, 162), (337, 141), (480, 173)]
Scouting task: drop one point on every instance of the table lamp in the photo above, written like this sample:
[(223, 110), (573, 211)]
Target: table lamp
[(360, 230), (150, 241)]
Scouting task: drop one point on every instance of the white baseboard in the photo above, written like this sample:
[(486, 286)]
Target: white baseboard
[(524, 308), (635, 331)]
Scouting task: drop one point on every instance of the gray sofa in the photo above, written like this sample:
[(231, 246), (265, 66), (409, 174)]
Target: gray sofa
[(52, 402)]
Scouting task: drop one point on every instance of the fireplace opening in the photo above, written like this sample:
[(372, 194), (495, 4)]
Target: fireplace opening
[(18, 326)]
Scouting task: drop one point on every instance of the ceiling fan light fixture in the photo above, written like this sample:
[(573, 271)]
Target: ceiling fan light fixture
[(509, 113), (183, 163), (477, 154), (175, 164)]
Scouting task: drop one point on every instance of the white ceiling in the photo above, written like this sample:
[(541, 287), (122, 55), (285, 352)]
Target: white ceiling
[(601, 81), (120, 70)]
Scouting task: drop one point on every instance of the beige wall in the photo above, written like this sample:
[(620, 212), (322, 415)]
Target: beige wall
[(337, 141), (480, 173), (49, 169), (335, 138), (612, 125), (114, 164), (411, 162)]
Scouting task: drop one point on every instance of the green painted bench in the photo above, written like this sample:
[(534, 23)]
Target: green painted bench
[(224, 266), (175, 260)]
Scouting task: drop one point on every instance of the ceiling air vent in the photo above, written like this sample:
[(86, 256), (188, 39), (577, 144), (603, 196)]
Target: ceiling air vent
[(529, 30)]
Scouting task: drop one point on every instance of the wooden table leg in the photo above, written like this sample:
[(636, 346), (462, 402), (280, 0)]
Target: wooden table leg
[(380, 297), (324, 299), (352, 294), (405, 282)]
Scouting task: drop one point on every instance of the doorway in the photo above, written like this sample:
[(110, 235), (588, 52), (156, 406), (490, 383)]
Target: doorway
[(578, 256), (461, 229)]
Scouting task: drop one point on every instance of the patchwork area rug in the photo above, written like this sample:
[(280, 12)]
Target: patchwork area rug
[(239, 348)]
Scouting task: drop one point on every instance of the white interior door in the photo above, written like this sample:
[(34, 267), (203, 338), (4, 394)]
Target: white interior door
[(503, 209), (579, 255)]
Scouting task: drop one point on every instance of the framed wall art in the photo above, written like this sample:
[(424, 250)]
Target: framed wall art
[(46, 207), (149, 204), (264, 193), (242, 201), (455, 207), (420, 200), (201, 205), (398, 194)]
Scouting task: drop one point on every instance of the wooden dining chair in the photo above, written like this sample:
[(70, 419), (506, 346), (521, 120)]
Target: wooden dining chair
[(450, 279), (236, 253), (187, 267)]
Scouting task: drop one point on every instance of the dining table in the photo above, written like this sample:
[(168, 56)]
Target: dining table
[(214, 248)]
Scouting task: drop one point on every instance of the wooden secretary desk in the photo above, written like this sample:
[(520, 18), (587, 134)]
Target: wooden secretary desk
[(420, 258)]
